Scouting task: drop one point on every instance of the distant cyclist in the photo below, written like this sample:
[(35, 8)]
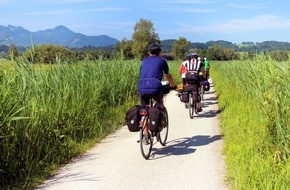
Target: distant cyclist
[(196, 66), (206, 67), (182, 69)]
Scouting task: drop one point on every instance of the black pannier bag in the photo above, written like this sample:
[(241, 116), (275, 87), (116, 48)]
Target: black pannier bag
[(193, 88), (155, 117), (133, 118), (192, 77), (165, 87), (184, 97)]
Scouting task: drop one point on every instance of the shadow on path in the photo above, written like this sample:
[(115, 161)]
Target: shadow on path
[(183, 146)]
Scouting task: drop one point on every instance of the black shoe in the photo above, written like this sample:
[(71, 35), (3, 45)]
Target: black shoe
[(199, 110)]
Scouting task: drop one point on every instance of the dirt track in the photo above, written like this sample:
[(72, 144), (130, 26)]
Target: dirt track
[(191, 160)]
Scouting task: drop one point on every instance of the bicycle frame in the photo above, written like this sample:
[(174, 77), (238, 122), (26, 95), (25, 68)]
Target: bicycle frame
[(147, 135)]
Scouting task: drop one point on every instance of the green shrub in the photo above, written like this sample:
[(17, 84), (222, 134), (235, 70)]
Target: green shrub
[(49, 54)]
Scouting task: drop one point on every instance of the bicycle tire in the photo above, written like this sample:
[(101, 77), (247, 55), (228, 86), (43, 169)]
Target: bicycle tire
[(163, 135), (145, 149), (202, 92), (191, 106)]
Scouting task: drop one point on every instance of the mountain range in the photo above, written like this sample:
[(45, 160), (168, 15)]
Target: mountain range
[(59, 35)]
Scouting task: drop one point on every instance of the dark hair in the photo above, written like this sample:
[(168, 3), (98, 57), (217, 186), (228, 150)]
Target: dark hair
[(154, 49)]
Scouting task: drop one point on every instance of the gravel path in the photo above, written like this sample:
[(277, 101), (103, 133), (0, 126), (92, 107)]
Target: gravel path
[(192, 158)]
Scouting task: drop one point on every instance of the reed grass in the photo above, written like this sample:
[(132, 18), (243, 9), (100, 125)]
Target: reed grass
[(254, 98), (47, 115)]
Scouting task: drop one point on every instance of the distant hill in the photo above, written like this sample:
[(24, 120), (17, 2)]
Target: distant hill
[(59, 35)]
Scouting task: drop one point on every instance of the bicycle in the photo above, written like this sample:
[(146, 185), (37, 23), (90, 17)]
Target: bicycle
[(146, 141), (193, 100), (201, 91)]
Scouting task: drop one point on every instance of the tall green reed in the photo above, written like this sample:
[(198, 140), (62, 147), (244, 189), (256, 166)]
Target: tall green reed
[(48, 112), (254, 97)]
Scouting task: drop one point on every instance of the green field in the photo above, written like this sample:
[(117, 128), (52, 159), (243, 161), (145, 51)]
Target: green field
[(254, 98), (52, 113)]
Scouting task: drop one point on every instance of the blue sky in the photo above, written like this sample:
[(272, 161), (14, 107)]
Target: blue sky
[(197, 20)]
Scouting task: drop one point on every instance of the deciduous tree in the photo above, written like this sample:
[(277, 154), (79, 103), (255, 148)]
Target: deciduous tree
[(144, 34), (180, 48)]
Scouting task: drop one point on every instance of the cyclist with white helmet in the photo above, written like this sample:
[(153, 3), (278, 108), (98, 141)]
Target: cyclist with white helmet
[(195, 66)]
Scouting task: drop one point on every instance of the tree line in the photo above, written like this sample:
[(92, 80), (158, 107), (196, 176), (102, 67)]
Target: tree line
[(136, 48)]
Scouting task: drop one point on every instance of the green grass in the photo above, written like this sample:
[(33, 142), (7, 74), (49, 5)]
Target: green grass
[(254, 96), (51, 113), (48, 116)]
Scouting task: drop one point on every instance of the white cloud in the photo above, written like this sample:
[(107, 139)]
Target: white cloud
[(104, 9), (191, 1), (251, 6), (3, 2), (200, 11), (261, 22), (65, 1), (56, 12)]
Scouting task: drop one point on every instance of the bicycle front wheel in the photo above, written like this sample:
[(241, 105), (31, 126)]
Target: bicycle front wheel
[(146, 144), (202, 92), (164, 133), (191, 106)]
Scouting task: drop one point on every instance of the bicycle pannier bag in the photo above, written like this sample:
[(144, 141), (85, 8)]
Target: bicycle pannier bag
[(192, 77), (155, 117), (132, 118), (165, 87), (184, 97), (206, 85)]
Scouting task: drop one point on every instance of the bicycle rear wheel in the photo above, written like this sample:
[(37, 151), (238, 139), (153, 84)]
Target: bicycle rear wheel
[(191, 106), (145, 144), (162, 135)]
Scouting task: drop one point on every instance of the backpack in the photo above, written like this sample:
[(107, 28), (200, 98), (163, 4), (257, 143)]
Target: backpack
[(132, 118), (206, 85), (192, 74), (155, 116)]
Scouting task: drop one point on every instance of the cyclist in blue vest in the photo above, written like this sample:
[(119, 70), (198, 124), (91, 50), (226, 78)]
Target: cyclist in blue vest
[(152, 70)]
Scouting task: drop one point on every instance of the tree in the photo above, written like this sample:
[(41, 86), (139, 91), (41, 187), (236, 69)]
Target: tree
[(229, 54), (144, 34), (180, 48), (124, 48), (49, 54), (215, 52)]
